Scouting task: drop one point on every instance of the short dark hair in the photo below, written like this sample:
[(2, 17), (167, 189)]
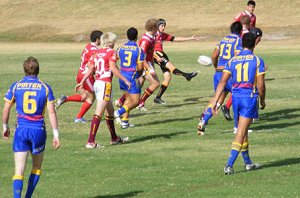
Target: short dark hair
[(251, 3), (96, 34), (248, 41), (161, 21), (132, 34), (256, 32), (236, 27), (31, 66)]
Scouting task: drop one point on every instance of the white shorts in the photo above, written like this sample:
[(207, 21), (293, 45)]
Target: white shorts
[(151, 70), (103, 90)]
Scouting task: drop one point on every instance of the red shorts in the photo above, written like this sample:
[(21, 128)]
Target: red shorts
[(88, 84)]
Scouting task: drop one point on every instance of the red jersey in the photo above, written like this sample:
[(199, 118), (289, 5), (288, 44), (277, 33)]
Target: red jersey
[(244, 31), (252, 18), (147, 43), (159, 38), (89, 50), (101, 62)]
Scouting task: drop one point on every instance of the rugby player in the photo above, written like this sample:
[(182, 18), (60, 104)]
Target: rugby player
[(249, 12)]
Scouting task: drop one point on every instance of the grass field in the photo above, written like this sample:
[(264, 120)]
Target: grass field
[(165, 157)]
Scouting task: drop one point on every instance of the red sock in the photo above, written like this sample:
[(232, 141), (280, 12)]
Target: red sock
[(229, 102), (122, 99), (146, 95), (94, 127), (84, 108), (111, 127), (74, 98)]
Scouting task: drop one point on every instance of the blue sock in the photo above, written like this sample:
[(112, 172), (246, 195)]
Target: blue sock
[(32, 182), (17, 185), (235, 150), (123, 110), (207, 114), (245, 153)]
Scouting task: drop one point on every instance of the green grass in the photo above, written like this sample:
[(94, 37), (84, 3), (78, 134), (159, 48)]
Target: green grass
[(165, 157)]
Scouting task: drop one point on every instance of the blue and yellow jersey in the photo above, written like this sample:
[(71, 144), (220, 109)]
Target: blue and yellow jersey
[(244, 69), (130, 54), (31, 96), (228, 47)]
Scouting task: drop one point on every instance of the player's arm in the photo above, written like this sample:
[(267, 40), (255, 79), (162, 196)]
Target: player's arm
[(86, 75), (261, 86), (54, 124), (192, 38), (225, 76), (214, 57), (116, 72), (5, 118)]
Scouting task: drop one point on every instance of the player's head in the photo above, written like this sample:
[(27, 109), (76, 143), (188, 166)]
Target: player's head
[(31, 66), (251, 6), (95, 36), (151, 26), (132, 34), (245, 21), (161, 24), (248, 41), (108, 39), (257, 33), (236, 27)]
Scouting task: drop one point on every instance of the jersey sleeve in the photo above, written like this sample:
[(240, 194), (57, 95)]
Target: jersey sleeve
[(238, 46), (141, 56), (113, 56), (260, 69), (238, 17), (227, 67), (10, 94), (50, 96), (167, 37)]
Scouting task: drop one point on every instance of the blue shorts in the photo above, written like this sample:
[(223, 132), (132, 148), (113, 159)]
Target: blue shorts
[(135, 86), (217, 78), (245, 106), (29, 139)]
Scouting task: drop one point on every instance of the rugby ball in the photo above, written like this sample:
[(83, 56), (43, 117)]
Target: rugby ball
[(204, 60)]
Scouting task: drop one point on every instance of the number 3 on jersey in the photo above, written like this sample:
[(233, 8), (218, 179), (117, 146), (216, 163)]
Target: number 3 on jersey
[(128, 57), (29, 104), (239, 68)]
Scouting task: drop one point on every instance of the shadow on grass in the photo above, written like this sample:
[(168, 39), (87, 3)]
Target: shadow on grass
[(166, 121), (284, 162), (129, 194), (151, 137)]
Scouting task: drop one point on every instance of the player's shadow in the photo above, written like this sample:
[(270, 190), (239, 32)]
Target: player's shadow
[(139, 113), (165, 121), (156, 136), (129, 194), (284, 162), (186, 104)]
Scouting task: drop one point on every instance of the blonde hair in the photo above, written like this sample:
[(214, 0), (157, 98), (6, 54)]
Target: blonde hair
[(108, 39), (151, 25)]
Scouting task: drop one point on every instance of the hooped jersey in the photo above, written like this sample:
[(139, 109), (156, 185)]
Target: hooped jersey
[(252, 18), (130, 55), (228, 47), (31, 96), (89, 50), (244, 69), (147, 43), (159, 38), (101, 63)]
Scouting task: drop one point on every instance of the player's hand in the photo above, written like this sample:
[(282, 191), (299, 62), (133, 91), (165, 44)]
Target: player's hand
[(6, 134), (214, 107), (55, 143), (262, 104), (78, 86), (128, 84)]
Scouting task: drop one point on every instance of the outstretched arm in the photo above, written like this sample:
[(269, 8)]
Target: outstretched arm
[(5, 118), (192, 38)]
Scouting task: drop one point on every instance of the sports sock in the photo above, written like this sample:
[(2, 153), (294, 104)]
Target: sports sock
[(123, 110), (84, 108), (229, 102), (245, 153), (94, 128), (207, 114), (111, 127), (32, 182), (162, 90), (122, 99), (179, 72), (17, 185), (74, 98), (235, 150), (146, 95)]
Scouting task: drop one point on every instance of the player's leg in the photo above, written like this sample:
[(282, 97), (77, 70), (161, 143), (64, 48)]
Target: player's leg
[(163, 87), (20, 164), (35, 173), (131, 102), (90, 98), (154, 83), (176, 71), (110, 120), (119, 102)]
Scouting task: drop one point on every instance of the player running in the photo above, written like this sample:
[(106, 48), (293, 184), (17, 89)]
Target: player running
[(166, 66), (87, 95), (224, 51), (31, 96), (103, 64), (131, 64), (247, 72)]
